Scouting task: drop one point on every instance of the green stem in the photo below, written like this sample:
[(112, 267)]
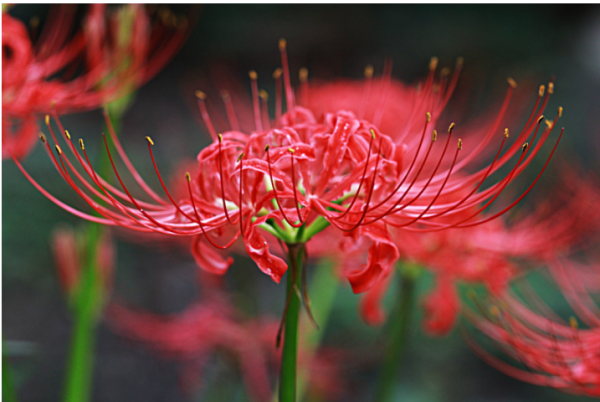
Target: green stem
[(81, 356), (287, 379), (397, 334), (9, 392)]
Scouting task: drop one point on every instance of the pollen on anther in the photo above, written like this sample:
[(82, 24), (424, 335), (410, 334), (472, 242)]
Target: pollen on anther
[(434, 136), (81, 144), (200, 95), (277, 73), (525, 146), (428, 117), (67, 135), (47, 119), (149, 140), (541, 91), (460, 61), (282, 44), (188, 177), (549, 124), (459, 144), (58, 149), (220, 137), (433, 63), (267, 148), (573, 323), (560, 110), (369, 71), (372, 133), (506, 133), (239, 158), (252, 74), (291, 150), (511, 82), (303, 74), (43, 137), (263, 94), (451, 127), (540, 119), (445, 71), (550, 88)]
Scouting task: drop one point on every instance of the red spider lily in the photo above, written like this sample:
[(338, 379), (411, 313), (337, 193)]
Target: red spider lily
[(294, 176), (553, 352), (488, 254), (70, 258), (122, 49)]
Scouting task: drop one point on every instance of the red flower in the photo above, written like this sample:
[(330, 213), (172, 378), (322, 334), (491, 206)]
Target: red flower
[(553, 353), (123, 49), (306, 170)]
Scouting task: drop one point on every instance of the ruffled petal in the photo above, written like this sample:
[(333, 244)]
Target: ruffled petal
[(370, 307), (441, 308), (208, 258), (258, 249)]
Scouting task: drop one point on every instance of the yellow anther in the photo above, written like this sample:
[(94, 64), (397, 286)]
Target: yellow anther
[(282, 44), (459, 144), (445, 71), (541, 91), (263, 94), (277, 73), (428, 117), (573, 322), (239, 158), (43, 137), (372, 133), (303, 74), (67, 135), (291, 150), (506, 133), (369, 71), (47, 120), (560, 109), (58, 149), (540, 119), (267, 148), (511, 82), (460, 61), (549, 124), (495, 311), (433, 63), (188, 177), (200, 95), (434, 136), (149, 140), (253, 75), (220, 137), (451, 127), (525, 146), (550, 88), (81, 144)]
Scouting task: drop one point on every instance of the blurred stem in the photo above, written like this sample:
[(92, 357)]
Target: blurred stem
[(81, 357), (9, 392), (324, 286), (397, 334), (287, 379)]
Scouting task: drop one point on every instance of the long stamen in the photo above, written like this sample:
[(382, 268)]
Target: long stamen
[(235, 237), (201, 96), (362, 178), (264, 97), (278, 95), (255, 101), (221, 179), (295, 225), (289, 92), (233, 122)]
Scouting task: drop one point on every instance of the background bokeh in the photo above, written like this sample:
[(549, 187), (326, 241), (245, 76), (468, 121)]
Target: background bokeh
[(530, 43)]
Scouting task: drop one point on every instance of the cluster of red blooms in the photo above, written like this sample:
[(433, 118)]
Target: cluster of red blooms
[(553, 352), (362, 157), (74, 70)]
